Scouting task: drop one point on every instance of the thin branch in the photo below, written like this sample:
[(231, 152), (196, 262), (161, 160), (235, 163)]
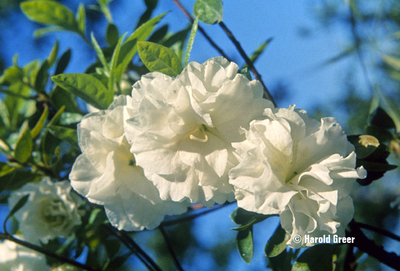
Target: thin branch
[(170, 249), (134, 247), (247, 60), (378, 230), (213, 44), (193, 216), (368, 246), (46, 252)]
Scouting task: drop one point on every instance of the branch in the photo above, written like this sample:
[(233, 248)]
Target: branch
[(247, 60), (46, 252), (213, 44), (363, 243), (170, 249), (134, 247), (378, 230), (193, 216)]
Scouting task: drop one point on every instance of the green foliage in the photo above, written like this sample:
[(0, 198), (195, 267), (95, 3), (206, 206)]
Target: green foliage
[(245, 244), (51, 13), (318, 257), (208, 11), (277, 243), (86, 87), (23, 148), (158, 58)]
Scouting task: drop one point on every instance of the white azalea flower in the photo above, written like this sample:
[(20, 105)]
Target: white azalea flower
[(182, 128), (51, 210), (15, 257), (105, 173), (299, 168)]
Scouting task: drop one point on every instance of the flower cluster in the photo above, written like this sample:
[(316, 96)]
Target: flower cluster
[(51, 210), (299, 168), (208, 136)]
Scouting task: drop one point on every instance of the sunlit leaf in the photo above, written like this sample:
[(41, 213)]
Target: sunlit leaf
[(99, 53), (129, 47), (208, 11), (114, 66), (392, 61), (158, 58), (86, 87), (23, 148), (40, 124), (44, 31), (53, 54), (81, 18), (50, 13)]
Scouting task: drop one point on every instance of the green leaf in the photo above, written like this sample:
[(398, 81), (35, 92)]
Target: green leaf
[(67, 134), (81, 18), (43, 31), (53, 54), (364, 144), (377, 166), (23, 148), (21, 202), (316, 258), (158, 58), (99, 53), (208, 11), (60, 97), (392, 61), (380, 118), (191, 40), (40, 124), (50, 142), (246, 218), (4, 114), (112, 34), (277, 243), (282, 262), (86, 87), (159, 34), (129, 48), (42, 77), (63, 62), (11, 75), (50, 13), (244, 243), (113, 66)]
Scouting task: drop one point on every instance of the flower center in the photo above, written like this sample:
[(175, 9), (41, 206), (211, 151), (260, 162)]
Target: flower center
[(199, 134), (53, 212)]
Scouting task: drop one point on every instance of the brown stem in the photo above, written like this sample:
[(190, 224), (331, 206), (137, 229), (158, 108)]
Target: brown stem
[(170, 249)]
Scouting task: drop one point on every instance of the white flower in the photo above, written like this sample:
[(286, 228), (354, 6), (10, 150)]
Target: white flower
[(51, 210), (182, 128), (105, 173), (299, 168), (15, 257)]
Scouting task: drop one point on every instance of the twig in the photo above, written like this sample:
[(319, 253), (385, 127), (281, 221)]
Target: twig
[(193, 216), (46, 252), (247, 60), (368, 246), (170, 249), (213, 44), (378, 230), (128, 241)]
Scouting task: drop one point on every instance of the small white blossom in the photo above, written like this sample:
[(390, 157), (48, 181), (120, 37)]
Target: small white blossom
[(106, 172), (51, 210), (299, 168), (15, 257), (182, 128)]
